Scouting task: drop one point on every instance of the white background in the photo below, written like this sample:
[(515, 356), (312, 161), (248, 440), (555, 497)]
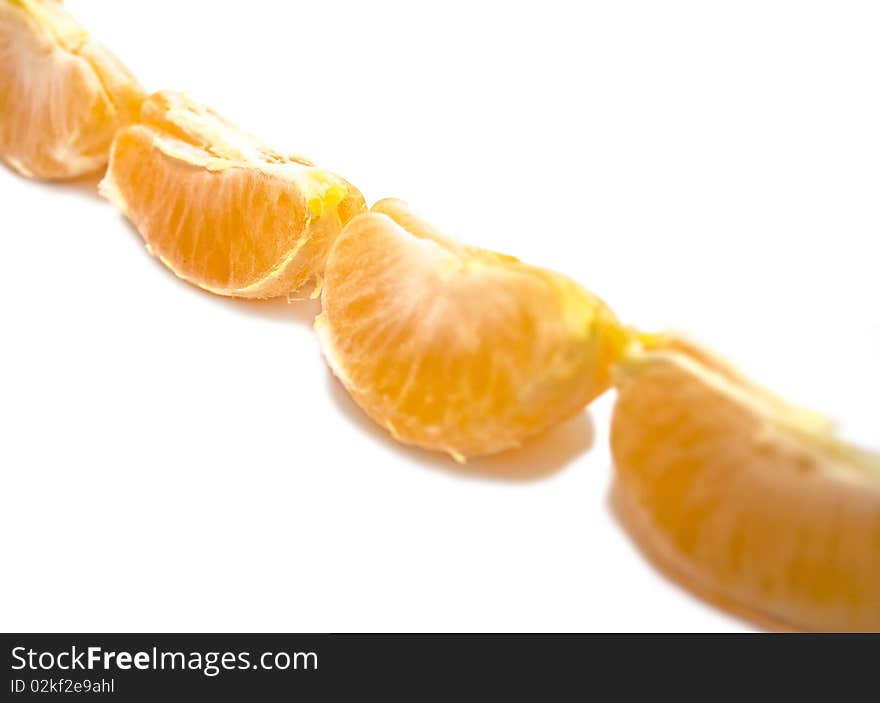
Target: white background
[(177, 461)]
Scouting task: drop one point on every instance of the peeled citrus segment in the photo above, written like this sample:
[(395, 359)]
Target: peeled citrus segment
[(746, 497), (455, 348), (62, 95), (220, 209)]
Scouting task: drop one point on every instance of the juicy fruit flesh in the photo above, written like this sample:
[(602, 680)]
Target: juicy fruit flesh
[(219, 208), (455, 348), (747, 498), (62, 96)]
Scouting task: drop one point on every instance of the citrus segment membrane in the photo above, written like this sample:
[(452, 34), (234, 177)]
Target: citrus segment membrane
[(62, 95), (219, 208), (745, 496), (455, 348)]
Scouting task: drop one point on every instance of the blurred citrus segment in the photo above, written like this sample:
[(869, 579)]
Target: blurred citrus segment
[(455, 348), (221, 209), (744, 496), (62, 95)]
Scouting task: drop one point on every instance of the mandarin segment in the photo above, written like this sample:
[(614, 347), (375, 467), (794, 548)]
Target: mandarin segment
[(62, 95), (219, 208), (744, 496), (455, 348)]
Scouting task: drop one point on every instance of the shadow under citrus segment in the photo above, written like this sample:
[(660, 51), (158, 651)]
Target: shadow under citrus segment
[(540, 457)]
